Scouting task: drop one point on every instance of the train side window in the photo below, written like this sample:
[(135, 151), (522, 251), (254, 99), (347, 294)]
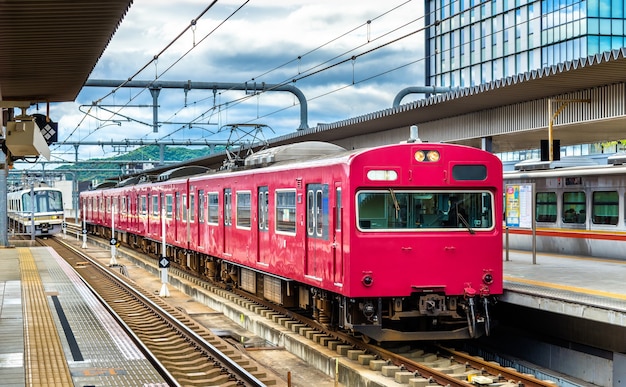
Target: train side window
[(144, 205), (184, 208), (545, 207), (263, 203), (214, 202), (178, 206), (573, 204), (243, 209), (286, 211), (168, 206), (155, 205), (338, 209), (192, 207), (605, 207), (311, 212), (227, 208), (319, 214), (108, 203), (201, 206)]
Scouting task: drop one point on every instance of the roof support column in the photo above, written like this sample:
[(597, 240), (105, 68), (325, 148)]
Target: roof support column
[(154, 91), (486, 144)]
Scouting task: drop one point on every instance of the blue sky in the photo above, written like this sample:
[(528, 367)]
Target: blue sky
[(261, 42)]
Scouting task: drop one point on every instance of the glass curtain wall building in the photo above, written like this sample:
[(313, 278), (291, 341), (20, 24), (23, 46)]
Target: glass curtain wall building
[(469, 42)]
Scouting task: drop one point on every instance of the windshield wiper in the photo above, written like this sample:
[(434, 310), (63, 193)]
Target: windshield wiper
[(460, 216), (395, 202)]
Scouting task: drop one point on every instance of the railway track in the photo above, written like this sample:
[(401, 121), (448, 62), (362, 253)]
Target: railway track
[(184, 352), (434, 365)]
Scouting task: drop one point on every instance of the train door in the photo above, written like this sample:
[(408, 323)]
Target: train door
[(183, 231), (199, 234), (316, 228), (337, 245), (228, 222), (177, 211), (191, 218), (263, 237)]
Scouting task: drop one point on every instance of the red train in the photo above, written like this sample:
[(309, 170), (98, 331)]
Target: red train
[(395, 243)]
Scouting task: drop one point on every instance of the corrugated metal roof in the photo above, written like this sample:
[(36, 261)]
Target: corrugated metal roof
[(48, 48), (593, 71), (586, 73)]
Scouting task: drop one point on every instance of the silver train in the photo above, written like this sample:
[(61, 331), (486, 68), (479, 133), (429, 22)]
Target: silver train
[(44, 209), (579, 210)]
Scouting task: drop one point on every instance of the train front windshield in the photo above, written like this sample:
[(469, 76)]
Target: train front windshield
[(397, 210), (45, 201)]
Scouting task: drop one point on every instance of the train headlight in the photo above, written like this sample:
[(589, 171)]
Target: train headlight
[(367, 280), (433, 156), (488, 278), (427, 155), (382, 175)]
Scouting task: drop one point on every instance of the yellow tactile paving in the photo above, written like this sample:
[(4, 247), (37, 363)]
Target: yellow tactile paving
[(574, 289), (44, 360)]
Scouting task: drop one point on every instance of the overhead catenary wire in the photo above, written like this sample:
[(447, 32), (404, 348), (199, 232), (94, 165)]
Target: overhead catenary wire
[(315, 70)]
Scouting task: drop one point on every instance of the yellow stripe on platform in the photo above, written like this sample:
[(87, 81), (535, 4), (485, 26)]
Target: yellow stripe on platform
[(575, 289), (44, 360)]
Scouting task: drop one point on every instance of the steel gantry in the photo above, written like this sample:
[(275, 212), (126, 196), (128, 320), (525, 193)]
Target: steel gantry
[(156, 86)]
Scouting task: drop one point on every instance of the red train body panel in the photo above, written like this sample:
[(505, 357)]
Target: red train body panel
[(390, 242)]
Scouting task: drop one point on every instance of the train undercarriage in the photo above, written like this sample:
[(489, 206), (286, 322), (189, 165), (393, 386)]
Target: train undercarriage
[(420, 317)]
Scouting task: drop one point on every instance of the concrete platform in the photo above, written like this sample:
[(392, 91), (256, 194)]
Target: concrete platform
[(584, 287), (56, 333)]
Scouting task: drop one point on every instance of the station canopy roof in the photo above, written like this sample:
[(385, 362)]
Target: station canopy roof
[(48, 48), (549, 82)]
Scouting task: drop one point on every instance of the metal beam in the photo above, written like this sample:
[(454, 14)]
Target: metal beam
[(188, 85), (145, 142), (419, 90), (98, 162)]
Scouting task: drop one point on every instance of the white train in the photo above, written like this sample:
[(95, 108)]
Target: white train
[(579, 210), (45, 205)]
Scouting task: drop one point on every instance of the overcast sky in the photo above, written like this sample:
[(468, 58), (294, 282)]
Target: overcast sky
[(264, 41)]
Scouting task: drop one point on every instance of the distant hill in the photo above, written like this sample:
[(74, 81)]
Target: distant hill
[(99, 171)]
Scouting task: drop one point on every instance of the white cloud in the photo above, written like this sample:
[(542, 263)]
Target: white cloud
[(256, 43)]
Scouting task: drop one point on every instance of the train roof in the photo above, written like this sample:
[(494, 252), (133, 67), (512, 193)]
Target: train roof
[(617, 159), (292, 152), (182, 171), (27, 190), (565, 162), (105, 184), (586, 170)]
